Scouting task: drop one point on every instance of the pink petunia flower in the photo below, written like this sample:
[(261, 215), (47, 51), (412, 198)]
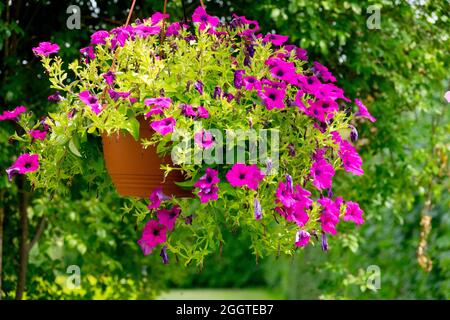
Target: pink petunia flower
[(363, 112), (88, 53), (353, 213), (157, 17), (168, 217), (284, 71), (25, 163), (272, 97), (90, 101), (207, 185), (144, 31), (156, 197), (204, 19), (163, 126), (251, 83), (109, 77), (242, 175), (152, 235), (322, 174), (302, 238), (275, 39), (351, 160), (55, 97), (38, 134), (99, 37), (45, 49), (173, 29), (209, 178), (158, 105), (204, 139), (323, 110), (116, 95), (208, 193), (329, 217), (239, 78), (12, 114), (300, 53), (323, 72), (249, 26)]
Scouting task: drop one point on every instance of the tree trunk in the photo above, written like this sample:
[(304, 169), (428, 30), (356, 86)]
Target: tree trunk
[(2, 215), (23, 261)]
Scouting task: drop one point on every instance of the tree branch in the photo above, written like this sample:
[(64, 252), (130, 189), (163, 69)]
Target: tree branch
[(23, 257), (2, 216), (39, 230)]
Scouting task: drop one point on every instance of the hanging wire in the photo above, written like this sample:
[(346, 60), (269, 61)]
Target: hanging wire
[(184, 11)]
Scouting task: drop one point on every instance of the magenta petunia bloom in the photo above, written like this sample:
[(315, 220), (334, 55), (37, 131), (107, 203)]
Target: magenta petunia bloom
[(204, 19), (322, 174), (275, 39), (242, 175), (109, 77), (198, 85), (163, 126), (144, 31), (283, 70), (300, 53), (302, 238), (272, 97), (323, 110), (55, 97), (157, 17), (45, 49), (363, 112), (351, 160), (121, 35), (309, 84), (88, 53), (25, 163), (204, 139), (188, 110), (249, 26), (353, 213), (158, 105), (12, 114), (168, 217), (323, 72), (257, 209), (208, 193), (90, 101), (202, 112), (251, 83), (156, 197), (239, 78), (329, 217), (38, 134), (173, 29), (207, 185), (209, 178), (152, 235), (194, 112), (116, 95), (99, 37)]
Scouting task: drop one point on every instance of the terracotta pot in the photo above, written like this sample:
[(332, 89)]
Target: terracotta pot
[(135, 171)]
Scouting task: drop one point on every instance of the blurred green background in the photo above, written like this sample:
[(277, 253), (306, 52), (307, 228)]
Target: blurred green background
[(400, 70)]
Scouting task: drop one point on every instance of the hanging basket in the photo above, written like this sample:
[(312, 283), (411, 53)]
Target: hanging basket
[(136, 171)]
